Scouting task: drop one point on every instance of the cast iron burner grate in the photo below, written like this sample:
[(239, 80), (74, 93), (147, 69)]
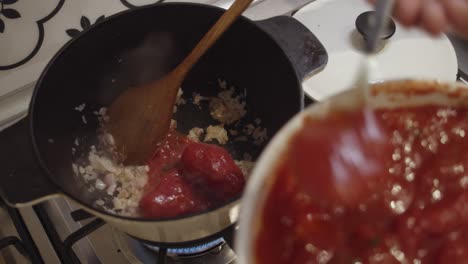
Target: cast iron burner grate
[(24, 244)]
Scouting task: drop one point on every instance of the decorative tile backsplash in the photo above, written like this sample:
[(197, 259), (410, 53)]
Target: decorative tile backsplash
[(33, 31)]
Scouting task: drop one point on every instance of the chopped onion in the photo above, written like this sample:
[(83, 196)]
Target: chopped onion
[(100, 185)]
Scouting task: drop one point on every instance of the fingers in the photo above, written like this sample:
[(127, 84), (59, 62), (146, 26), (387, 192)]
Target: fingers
[(408, 11), (457, 14), (433, 17)]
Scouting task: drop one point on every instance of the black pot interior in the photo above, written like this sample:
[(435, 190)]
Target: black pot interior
[(141, 45)]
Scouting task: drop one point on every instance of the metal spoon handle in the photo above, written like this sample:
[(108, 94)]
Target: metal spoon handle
[(378, 22)]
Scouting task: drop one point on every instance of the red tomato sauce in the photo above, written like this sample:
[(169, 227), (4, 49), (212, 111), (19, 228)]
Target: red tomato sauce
[(189, 177), (389, 189)]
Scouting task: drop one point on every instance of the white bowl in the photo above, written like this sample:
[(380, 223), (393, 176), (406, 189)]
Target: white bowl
[(383, 95)]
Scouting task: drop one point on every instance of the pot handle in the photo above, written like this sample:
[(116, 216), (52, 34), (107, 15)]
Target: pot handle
[(22, 182), (301, 46)]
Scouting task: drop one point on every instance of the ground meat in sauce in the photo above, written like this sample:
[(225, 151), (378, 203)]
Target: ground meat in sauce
[(414, 211)]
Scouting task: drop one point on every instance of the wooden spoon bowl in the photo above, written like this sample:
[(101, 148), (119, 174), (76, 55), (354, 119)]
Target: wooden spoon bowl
[(140, 117)]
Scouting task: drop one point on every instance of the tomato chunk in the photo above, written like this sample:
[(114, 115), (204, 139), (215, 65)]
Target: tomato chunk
[(213, 170), (166, 156), (172, 197)]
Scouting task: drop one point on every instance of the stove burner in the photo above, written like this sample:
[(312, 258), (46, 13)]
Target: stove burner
[(193, 251)]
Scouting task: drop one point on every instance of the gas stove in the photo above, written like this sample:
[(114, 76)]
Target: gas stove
[(58, 231), (81, 238)]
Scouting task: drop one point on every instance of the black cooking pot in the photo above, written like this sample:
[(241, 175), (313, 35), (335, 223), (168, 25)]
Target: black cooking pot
[(267, 58)]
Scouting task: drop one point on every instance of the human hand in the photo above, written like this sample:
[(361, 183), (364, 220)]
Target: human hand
[(435, 16)]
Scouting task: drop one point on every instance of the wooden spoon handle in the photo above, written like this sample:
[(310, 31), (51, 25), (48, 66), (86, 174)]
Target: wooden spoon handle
[(223, 23)]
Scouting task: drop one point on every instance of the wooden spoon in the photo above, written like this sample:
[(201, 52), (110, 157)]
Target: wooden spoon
[(140, 117)]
